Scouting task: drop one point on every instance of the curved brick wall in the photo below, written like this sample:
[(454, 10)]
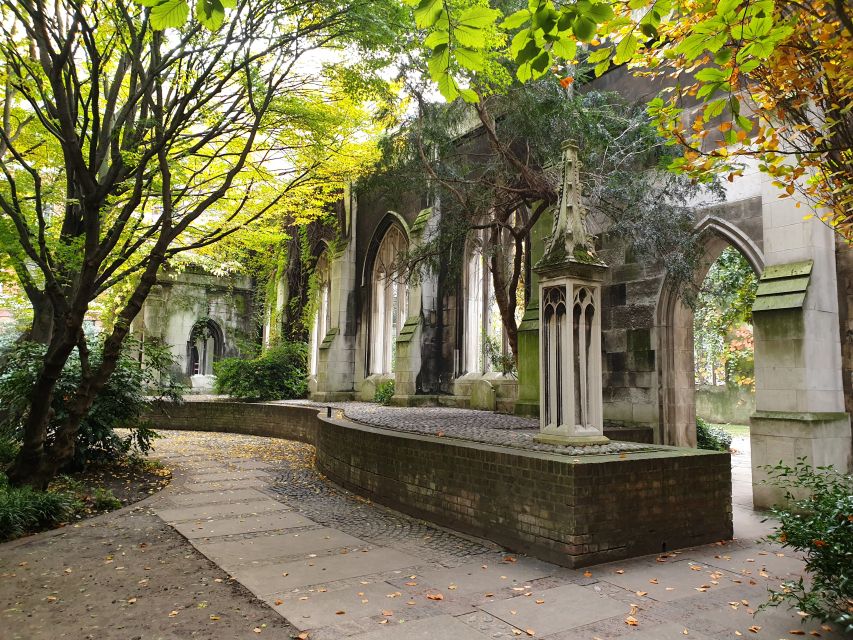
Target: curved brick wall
[(573, 512)]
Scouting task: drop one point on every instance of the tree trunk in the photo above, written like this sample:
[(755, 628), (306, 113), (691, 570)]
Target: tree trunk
[(41, 330)]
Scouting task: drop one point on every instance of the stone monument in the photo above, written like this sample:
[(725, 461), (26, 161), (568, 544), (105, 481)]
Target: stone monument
[(570, 276)]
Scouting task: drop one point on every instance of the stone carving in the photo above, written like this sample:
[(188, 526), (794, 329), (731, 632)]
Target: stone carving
[(569, 237)]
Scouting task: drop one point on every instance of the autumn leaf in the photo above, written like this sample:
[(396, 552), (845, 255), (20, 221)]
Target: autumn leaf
[(434, 596), (631, 621)]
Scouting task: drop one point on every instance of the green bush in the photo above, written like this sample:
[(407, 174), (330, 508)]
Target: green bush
[(712, 438), (119, 404), (280, 373), (384, 392), (25, 510), (104, 500), (817, 521)]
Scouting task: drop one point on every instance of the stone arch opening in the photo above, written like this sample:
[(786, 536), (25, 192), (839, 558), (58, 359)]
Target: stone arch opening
[(388, 298), (322, 292), (676, 365), (205, 346)]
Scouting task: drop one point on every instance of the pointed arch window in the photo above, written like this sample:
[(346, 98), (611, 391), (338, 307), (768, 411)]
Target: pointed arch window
[(204, 347), (323, 311), (388, 301)]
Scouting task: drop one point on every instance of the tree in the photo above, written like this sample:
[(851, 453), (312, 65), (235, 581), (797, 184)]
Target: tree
[(493, 166), (771, 81), (124, 147)]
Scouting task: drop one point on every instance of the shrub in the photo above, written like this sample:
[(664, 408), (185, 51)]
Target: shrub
[(119, 404), (384, 392), (712, 438), (104, 500), (280, 373), (25, 510), (817, 521)]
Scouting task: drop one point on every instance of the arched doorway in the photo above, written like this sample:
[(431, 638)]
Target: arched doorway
[(676, 368), (388, 300), (204, 347)]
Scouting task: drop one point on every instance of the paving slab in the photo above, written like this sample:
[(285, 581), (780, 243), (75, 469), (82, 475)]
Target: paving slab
[(273, 521), (315, 608), (472, 577), (222, 485), (561, 608), (228, 475), (434, 628), (268, 546), (757, 562), (277, 577), (217, 497), (667, 581), (181, 514), (669, 631)]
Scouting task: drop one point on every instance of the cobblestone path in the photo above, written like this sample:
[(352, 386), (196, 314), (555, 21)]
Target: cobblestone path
[(466, 424), (336, 566)]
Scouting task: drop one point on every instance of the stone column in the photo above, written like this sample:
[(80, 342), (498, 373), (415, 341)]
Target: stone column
[(799, 399), (570, 276)]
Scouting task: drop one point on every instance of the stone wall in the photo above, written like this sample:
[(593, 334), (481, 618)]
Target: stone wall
[(571, 511), (725, 404)]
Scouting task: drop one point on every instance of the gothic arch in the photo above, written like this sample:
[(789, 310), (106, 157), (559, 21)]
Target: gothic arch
[(387, 297), (677, 402), (205, 345)]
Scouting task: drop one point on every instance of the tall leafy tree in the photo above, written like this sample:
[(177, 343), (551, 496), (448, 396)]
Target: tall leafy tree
[(124, 146), (494, 168)]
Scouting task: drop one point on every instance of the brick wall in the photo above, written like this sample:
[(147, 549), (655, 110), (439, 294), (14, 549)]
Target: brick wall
[(573, 512)]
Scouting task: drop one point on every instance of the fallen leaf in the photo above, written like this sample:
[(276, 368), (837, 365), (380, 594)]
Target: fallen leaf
[(620, 571), (340, 613), (631, 621), (653, 581), (587, 574), (797, 632), (755, 628), (130, 601), (435, 596), (530, 632), (685, 632), (387, 613), (279, 603), (540, 602), (642, 593), (411, 584), (383, 621), (516, 632), (303, 636), (257, 629), (214, 617)]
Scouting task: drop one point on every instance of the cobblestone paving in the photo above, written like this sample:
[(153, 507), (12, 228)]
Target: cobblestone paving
[(419, 582), (465, 424)]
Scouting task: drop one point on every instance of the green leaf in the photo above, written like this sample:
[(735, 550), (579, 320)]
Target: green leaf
[(229, 4), (565, 49), (648, 30), (439, 61), (530, 51), (520, 41), (727, 6), (601, 67), (712, 74), (750, 65), (473, 37), (515, 20), (524, 72), (478, 17), (210, 13), (626, 49), (436, 38), (541, 63), (427, 12), (584, 28), (744, 123), (600, 12), (447, 87), (599, 54), (470, 59), (469, 95), (723, 56), (715, 108), (168, 14)]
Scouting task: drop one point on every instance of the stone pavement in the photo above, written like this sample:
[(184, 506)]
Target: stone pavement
[(337, 566)]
